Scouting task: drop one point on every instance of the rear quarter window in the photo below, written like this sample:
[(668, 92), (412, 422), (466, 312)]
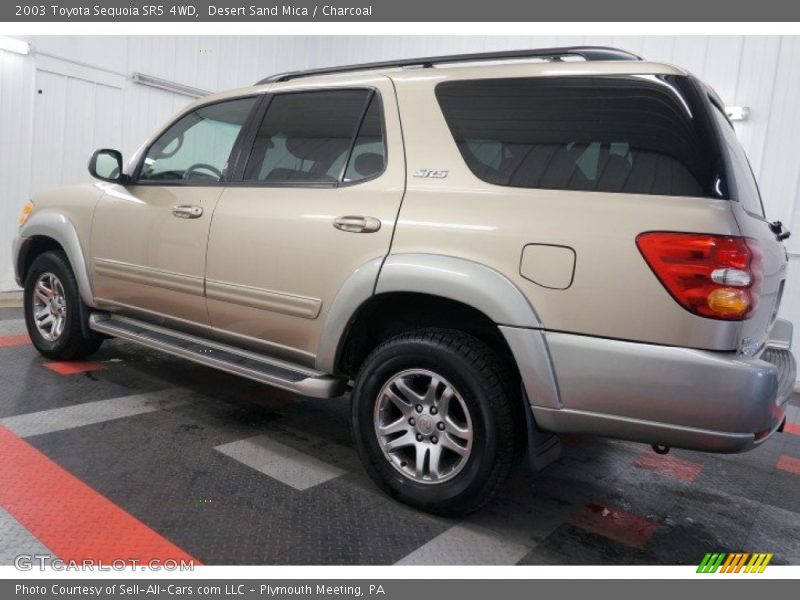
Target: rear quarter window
[(740, 174), (632, 134)]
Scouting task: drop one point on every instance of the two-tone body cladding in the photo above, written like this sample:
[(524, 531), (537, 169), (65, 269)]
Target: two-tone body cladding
[(469, 218), (606, 347), (62, 217), (484, 254)]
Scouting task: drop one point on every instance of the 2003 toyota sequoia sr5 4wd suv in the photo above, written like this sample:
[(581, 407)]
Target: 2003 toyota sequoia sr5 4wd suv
[(489, 249)]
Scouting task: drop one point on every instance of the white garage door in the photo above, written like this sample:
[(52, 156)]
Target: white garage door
[(77, 110)]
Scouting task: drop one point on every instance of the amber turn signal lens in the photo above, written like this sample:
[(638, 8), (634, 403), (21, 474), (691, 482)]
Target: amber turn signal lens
[(729, 301), (26, 210)]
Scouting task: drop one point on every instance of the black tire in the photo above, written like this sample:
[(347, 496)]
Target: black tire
[(71, 344), (488, 387)]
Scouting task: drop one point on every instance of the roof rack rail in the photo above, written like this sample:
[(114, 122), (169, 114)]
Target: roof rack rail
[(589, 53)]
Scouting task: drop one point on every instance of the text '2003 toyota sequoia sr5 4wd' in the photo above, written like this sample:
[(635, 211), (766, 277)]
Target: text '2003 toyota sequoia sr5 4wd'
[(491, 249)]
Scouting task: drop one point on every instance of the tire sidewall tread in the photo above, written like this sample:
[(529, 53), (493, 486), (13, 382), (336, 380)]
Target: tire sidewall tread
[(485, 383), (72, 344)]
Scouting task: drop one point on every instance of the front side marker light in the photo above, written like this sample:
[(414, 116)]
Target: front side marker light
[(26, 211)]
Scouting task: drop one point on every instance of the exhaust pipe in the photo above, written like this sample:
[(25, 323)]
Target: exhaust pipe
[(660, 449)]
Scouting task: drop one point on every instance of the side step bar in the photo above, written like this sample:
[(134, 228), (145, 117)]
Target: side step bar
[(280, 374)]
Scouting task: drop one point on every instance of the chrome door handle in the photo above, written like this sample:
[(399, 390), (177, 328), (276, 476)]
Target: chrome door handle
[(185, 211), (353, 224)]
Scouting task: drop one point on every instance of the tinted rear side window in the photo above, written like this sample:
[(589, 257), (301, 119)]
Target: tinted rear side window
[(637, 134), (306, 137), (740, 175)]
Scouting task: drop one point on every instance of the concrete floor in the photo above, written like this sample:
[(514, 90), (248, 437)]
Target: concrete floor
[(139, 454)]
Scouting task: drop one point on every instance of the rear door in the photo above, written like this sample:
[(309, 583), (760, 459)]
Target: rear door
[(317, 199), (749, 213)]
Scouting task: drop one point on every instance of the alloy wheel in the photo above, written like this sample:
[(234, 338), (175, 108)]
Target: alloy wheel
[(49, 307), (423, 426)]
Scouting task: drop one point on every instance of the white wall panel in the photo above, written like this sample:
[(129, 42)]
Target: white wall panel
[(78, 128), (108, 121), (658, 47), (50, 111), (16, 118), (103, 52), (721, 65), (780, 163), (72, 116), (690, 53), (755, 71)]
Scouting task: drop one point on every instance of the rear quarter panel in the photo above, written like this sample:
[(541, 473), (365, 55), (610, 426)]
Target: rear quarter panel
[(614, 293), (774, 265)]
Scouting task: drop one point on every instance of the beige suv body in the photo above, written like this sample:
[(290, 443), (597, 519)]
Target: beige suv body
[(599, 275)]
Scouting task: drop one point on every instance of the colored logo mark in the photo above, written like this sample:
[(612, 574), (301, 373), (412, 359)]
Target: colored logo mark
[(735, 562)]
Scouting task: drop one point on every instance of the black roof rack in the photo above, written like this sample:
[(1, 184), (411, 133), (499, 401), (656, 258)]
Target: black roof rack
[(588, 53)]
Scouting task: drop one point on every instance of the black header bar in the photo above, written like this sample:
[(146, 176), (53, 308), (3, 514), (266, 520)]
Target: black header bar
[(153, 11)]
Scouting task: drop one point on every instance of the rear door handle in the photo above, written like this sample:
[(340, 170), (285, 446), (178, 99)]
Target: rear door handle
[(185, 211), (356, 224)]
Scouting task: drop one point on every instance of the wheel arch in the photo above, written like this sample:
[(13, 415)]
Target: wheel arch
[(465, 281), (386, 315), (49, 230), (499, 308)]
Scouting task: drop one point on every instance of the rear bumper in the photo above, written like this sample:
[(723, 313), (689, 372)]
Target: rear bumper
[(702, 400)]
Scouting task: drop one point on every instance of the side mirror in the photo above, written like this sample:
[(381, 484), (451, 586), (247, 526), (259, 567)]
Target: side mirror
[(106, 165)]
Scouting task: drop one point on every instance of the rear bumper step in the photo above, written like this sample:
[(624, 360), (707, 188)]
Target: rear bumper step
[(281, 374)]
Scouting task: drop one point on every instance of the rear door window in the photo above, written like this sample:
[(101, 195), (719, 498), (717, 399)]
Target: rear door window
[(636, 134), (368, 158), (307, 137)]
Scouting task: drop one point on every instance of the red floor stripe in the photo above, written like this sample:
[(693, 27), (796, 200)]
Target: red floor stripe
[(70, 367), (7, 341), (671, 466), (69, 517), (616, 524), (793, 428), (790, 464)]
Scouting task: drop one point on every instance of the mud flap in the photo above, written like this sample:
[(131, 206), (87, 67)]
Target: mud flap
[(544, 447)]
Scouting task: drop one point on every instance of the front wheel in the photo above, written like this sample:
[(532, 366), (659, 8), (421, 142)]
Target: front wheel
[(434, 417), (53, 311)]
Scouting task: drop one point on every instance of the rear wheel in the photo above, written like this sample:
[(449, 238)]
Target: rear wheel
[(433, 413), (53, 309)]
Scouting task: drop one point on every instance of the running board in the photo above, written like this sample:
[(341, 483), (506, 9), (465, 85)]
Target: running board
[(280, 374)]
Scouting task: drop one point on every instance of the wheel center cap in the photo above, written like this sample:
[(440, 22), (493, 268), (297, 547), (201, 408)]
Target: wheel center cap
[(425, 425)]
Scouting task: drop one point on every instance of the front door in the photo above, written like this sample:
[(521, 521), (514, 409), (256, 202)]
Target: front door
[(317, 198), (149, 238)]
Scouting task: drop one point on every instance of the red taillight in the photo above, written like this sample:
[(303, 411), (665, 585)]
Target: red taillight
[(716, 276)]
